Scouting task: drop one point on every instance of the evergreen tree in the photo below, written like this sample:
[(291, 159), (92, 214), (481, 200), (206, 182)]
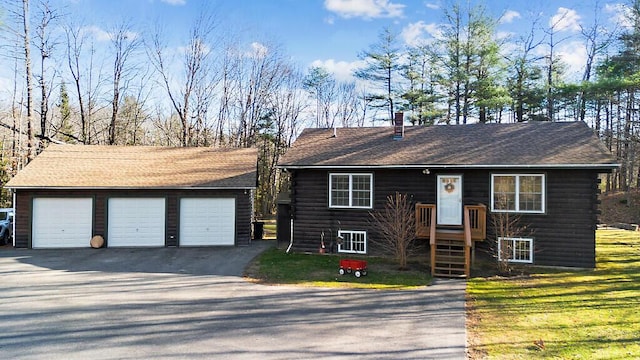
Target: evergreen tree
[(65, 129), (421, 96), (381, 68)]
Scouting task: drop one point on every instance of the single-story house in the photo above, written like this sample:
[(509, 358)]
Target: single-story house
[(134, 196), (459, 178)]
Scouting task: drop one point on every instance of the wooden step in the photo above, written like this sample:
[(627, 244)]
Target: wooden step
[(450, 246), (449, 266), (451, 254), (449, 259), (453, 247), (453, 242), (452, 251), (450, 234)]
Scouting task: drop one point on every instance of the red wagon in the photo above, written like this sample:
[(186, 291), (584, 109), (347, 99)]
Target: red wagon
[(358, 267)]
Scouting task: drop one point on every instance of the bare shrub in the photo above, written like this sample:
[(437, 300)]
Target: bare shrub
[(396, 227), (505, 225)]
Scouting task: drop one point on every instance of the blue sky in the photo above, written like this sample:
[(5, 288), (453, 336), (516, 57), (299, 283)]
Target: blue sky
[(332, 33), (327, 33)]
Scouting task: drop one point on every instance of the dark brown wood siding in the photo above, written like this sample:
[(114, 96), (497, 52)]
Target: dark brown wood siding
[(244, 209), (563, 236)]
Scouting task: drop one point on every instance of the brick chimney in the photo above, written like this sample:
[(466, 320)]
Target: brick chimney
[(398, 126)]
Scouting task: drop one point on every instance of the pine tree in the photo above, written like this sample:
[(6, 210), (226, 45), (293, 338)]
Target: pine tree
[(382, 65)]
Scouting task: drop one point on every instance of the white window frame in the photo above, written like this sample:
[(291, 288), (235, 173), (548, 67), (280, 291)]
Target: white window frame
[(517, 191), (513, 241), (351, 206), (341, 233)]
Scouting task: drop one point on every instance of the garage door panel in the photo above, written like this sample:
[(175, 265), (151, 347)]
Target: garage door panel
[(207, 222), (136, 222), (62, 222)]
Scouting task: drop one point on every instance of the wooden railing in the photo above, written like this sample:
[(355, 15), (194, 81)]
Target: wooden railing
[(477, 221), (426, 216), (467, 241), (426, 226), (474, 228)]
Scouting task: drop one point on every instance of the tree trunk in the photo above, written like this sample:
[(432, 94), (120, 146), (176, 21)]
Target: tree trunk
[(31, 152)]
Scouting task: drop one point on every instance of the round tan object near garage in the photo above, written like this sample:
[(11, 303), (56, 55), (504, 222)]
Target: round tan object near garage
[(97, 242)]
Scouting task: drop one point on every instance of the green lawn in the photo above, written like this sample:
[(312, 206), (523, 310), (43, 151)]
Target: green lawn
[(276, 266), (587, 314), (269, 229)]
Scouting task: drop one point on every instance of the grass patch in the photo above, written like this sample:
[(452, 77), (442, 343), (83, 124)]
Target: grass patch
[(277, 267), (269, 229), (587, 314)]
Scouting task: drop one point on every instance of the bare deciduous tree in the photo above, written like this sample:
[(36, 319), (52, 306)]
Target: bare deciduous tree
[(198, 70), (396, 227), (278, 129), (81, 67), (45, 43), (259, 74), (124, 43), (31, 152)]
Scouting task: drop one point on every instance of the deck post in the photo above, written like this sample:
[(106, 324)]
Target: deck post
[(432, 240)]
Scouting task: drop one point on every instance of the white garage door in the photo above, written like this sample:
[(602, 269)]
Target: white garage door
[(136, 222), (61, 223), (207, 222)]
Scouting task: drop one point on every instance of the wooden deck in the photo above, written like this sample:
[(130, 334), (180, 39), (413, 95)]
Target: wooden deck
[(451, 246)]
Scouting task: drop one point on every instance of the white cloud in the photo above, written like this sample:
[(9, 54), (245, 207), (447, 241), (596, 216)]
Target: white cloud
[(96, 33), (367, 9), (101, 35), (509, 16), (6, 86), (414, 33), (509, 48), (565, 19), (259, 50), (432, 6), (342, 70), (573, 54), (504, 35), (621, 14), (175, 2)]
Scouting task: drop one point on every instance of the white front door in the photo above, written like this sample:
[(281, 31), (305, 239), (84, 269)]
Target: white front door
[(449, 207)]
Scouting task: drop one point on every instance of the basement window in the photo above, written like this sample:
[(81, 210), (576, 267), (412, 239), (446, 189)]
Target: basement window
[(516, 250), (351, 191), (354, 242)]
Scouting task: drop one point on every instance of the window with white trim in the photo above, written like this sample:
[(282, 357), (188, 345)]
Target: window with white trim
[(354, 242), (351, 191), (523, 193), (516, 250)]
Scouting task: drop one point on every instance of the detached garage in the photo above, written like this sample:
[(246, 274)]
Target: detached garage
[(135, 196)]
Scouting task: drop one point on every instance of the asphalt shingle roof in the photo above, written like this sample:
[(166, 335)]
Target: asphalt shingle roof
[(539, 144), (93, 166)]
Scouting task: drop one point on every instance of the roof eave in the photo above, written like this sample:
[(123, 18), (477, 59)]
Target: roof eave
[(608, 166), (33, 187)]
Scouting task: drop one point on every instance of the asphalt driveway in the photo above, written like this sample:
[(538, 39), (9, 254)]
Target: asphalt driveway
[(192, 303)]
